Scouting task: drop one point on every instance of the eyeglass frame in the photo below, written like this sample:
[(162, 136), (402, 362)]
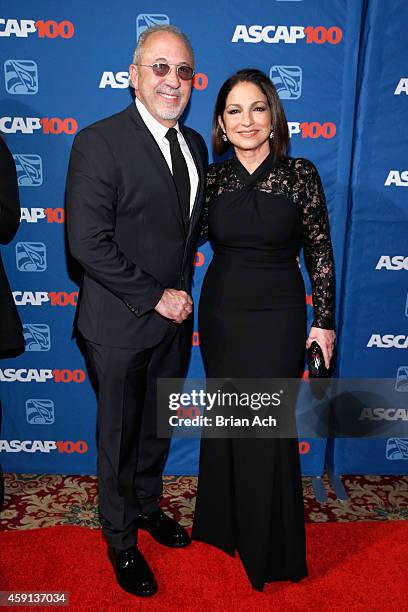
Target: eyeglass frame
[(169, 65)]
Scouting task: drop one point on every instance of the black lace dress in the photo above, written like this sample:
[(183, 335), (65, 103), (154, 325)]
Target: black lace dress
[(252, 323)]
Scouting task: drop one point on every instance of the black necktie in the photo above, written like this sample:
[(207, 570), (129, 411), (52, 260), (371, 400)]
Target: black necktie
[(180, 175)]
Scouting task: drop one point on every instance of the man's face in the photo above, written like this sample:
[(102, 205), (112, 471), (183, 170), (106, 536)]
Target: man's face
[(164, 97)]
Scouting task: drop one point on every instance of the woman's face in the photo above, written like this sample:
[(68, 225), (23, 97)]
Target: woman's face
[(247, 118)]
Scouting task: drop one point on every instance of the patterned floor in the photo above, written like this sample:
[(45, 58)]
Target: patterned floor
[(45, 500)]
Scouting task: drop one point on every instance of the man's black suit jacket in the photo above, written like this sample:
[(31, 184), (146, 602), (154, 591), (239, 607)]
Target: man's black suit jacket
[(125, 228), (11, 335)]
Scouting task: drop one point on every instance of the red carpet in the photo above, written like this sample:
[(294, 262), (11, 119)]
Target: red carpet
[(353, 566)]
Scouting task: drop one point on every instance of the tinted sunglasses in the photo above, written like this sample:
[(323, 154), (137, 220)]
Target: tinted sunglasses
[(185, 73)]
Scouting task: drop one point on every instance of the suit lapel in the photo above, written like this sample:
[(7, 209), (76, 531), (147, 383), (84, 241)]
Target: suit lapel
[(153, 150), (200, 188), (163, 169)]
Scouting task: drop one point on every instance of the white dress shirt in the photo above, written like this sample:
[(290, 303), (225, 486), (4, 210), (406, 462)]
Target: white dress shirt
[(159, 132)]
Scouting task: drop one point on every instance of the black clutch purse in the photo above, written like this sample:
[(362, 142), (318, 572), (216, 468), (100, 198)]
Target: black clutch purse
[(315, 361)]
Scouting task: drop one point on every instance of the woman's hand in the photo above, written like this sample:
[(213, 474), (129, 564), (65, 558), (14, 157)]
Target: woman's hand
[(325, 338)]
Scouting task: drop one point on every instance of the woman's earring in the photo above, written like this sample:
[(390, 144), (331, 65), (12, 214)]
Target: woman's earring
[(224, 137), (271, 134)]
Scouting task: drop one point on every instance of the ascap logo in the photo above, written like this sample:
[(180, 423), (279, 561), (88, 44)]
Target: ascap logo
[(384, 414), (288, 81), (397, 178), (396, 449), (31, 256), (40, 411), (286, 34), (28, 125), (395, 262), (43, 446), (146, 20), (29, 169), (21, 77), (388, 341), (33, 215), (37, 337), (402, 87), (38, 298), (120, 80), (312, 129), (22, 28), (401, 381), (24, 375)]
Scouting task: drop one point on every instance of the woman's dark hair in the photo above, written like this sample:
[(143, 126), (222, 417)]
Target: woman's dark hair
[(280, 141)]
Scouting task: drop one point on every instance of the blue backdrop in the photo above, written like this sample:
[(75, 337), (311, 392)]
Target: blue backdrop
[(339, 68)]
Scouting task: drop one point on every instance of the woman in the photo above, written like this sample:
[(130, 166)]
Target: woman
[(261, 208)]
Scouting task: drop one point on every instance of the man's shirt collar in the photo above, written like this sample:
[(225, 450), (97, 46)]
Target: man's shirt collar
[(155, 127)]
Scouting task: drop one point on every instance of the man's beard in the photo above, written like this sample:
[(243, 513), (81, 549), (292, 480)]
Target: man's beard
[(170, 113)]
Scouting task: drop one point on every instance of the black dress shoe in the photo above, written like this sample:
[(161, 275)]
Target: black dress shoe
[(164, 529), (133, 572)]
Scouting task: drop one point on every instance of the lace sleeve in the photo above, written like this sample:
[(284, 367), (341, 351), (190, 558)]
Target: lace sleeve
[(318, 248), (210, 192)]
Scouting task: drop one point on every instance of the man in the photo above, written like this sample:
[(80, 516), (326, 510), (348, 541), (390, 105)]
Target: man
[(134, 197)]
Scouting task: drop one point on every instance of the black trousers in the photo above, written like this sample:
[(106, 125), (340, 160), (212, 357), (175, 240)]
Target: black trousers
[(130, 456)]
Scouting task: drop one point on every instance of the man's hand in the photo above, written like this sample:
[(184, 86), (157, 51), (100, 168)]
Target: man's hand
[(175, 305)]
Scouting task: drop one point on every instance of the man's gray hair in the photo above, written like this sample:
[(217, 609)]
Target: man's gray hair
[(137, 56)]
